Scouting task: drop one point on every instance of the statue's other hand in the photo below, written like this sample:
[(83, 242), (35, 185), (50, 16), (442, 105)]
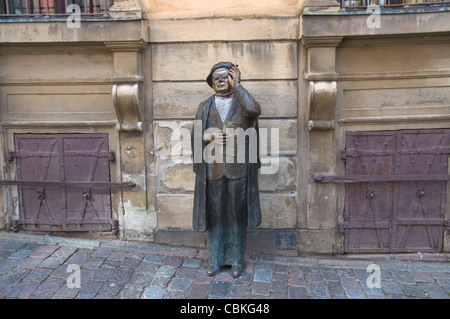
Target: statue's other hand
[(214, 135), (234, 77), (219, 138)]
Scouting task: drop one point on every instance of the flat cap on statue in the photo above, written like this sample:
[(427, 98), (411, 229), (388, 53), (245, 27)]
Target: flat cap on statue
[(220, 65)]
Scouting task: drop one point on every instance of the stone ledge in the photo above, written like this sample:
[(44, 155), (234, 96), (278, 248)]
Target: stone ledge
[(107, 30), (391, 24)]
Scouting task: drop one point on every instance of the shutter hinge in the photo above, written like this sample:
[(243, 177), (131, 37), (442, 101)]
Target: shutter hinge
[(343, 155), (11, 155)]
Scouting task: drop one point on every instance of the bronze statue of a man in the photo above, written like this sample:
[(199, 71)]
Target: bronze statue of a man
[(226, 199)]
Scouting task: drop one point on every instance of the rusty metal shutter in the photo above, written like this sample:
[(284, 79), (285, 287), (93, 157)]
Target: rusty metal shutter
[(395, 193), (47, 158)]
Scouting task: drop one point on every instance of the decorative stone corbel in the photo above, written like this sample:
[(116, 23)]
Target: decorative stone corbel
[(322, 76), (126, 98), (322, 97)]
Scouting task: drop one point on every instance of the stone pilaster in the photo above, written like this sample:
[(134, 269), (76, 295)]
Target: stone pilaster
[(318, 235), (136, 222)]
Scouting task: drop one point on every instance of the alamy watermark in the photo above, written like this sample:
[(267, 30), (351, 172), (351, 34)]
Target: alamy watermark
[(241, 146), (374, 279), (74, 19), (74, 279), (374, 19)]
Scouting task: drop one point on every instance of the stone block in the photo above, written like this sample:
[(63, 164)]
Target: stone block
[(145, 235), (138, 222), (265, 241), (399, 56), (322, 156), (132, 155), (317, 241), (181, 237), (223, 29), (174, 210), (278, 210), (173, 140), (322, 59), (99, 61), (126, 63), (61, 103), (287, 133), (256, 60), (280, 178), (178, 100), (286, 240), (181, 99), (194, 9), (377, 99), (321, 213), (174, 176)]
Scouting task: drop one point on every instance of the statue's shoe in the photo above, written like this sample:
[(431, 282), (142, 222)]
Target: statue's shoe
[(236, 271), (213, 270)]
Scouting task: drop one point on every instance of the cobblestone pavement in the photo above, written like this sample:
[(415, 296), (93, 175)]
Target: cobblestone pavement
[(33, 266)]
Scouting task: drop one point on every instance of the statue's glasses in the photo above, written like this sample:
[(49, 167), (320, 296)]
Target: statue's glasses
[(217, 76)]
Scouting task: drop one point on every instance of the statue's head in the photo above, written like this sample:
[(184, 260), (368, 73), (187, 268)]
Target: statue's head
[(218, 77)]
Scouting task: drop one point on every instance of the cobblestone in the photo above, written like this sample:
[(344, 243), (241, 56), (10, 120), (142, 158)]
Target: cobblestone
[(154, 259), (153, 292), (123, 270), (263, 276), (220, 289), (20, 254), (44, 251)]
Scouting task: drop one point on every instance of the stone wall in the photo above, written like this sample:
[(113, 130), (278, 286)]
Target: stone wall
[(183, 52)]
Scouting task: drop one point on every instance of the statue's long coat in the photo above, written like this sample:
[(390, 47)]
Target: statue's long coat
[(253, 204)]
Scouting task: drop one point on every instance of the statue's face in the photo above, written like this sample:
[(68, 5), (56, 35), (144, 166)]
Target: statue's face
[(220, 81)]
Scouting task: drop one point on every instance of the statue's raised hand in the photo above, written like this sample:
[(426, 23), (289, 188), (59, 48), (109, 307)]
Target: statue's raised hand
[(235, 76)]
